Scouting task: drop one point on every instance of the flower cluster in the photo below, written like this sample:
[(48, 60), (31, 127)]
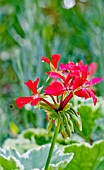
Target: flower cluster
[(69, 80)]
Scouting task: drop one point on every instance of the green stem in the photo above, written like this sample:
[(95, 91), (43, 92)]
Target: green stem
[(52, 144)]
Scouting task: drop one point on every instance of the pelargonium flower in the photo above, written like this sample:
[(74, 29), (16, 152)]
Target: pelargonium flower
[(74, 80), (34, 99), (70, 79), (54, 63)]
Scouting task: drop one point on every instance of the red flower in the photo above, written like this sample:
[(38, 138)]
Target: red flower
[(80, 76), (73, 79), (85, 90), (69, 80), (34, 99), (55, 60)]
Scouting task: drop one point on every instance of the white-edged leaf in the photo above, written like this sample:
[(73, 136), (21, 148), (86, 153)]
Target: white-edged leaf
[(36, 158), (10, 163), (89, 115), (86, 156)]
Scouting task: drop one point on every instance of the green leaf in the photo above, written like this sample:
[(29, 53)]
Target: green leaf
[(32, 138), (36, 158), (29, 139), (39, 135), (20, 144), (89, 114), (10, 163), (86, 156), (59, 160), (101, 165)]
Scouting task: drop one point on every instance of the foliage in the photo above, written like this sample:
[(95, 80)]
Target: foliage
[(89, 115), (98, 131), (36, 137), (86, 156), (34, 159), (11, 163)]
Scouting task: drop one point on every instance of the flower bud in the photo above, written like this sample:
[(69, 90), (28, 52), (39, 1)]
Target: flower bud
[(76, 119)]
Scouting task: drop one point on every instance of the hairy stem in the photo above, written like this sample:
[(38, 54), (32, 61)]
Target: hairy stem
[(53, 99), (61, 100), (66, 100), (49, 104)]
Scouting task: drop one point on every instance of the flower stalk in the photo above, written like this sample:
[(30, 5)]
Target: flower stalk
[(49, 104), (57, 127), (67, 99)]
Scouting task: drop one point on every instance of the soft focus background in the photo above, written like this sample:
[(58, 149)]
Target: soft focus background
[(30, 29)]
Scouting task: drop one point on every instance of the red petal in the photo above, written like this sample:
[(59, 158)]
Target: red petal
[(75, 73), (92, 68), (94, 81), (86, 93), (82, 93), (68, 78), (72, 66), (55, 59), (21, 101), (63, 67), (35, 101), (56, 88), (45, 59), (55, 75), (69, 66), (32, 85), (76, 83), (92, 95), (84, 72)]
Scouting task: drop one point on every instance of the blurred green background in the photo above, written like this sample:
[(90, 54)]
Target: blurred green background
[(30, 29)]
